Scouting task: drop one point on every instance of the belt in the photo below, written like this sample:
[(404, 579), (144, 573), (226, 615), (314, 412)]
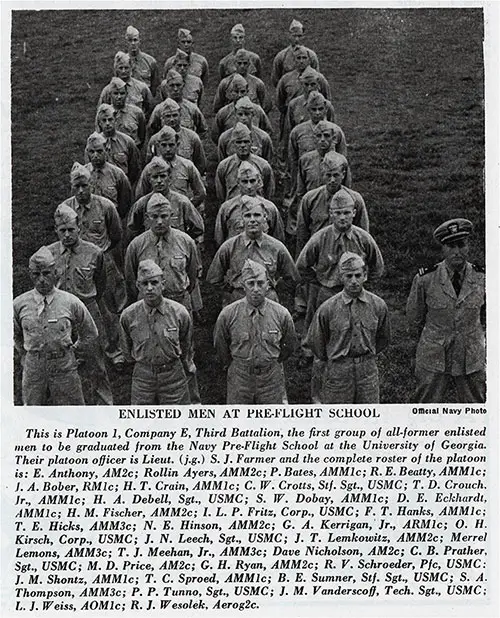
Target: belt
[(161, 368), (353, 359), (49, 355), (253, 369)]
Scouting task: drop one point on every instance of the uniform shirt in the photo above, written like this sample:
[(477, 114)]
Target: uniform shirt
[(289, 87), (184, 178), (193, 89), (191, 118), (262, 144), (271, 253), (319, 259), (145, 69), (130, 120), (99, 221), (189, 147), (227, 66), (451, 336), (122, 152), (259, 334), (226, 176), (198, 66), (302, 140), (284, 62), (185, 217), (297, 113), (110, 182), (349, 327), (80, 269), (38, 328), (313, 213), (175, 253), (156, 335), (137, 94), (226, 118), (257, 92), (229, 220)]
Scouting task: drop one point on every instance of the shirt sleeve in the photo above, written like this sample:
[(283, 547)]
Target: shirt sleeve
[(200, 124), (318, 335), (85, 326), (125, 339), (220, 183), (375, 262), (141, 127), (134, 162), (124, 191), (268, 181), (186, 341), (383, 337), (155, 77), (361, 216), (222, 340), (193, 266), (197, 187), (199, 157), (289, 337), (100, 276), (416, 307), (287, 269), (220, 96), (130, 272), (18, 334), (218, 268), (195, 226), (277, 69), (113, 225), (308, 258)]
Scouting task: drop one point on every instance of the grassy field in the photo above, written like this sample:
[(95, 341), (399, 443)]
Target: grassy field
[(408, 90)]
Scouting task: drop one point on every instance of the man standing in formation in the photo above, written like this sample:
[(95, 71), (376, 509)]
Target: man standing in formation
[(252, 337), (156, 333), (45, 319), (346, 334)]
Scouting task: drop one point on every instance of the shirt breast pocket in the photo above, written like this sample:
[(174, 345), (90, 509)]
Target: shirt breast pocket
[(178, 263), (369, 323), (172, 335), (96, 225), (85, 273), (120, 157)]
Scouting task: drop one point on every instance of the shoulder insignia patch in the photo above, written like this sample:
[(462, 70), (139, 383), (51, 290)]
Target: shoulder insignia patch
[(478, 269), (424, 270)]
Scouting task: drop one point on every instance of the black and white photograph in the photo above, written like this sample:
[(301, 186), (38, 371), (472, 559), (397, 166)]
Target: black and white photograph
[(190, 187)]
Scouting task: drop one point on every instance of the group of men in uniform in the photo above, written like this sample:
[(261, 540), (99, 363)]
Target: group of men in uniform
[(121, 283)]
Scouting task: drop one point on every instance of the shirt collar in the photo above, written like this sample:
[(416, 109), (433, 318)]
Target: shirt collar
[(153, 310), (338, 234), (248, 240), (74, 249), (40, 298), (363, 297), (251, 309), (451, 272)]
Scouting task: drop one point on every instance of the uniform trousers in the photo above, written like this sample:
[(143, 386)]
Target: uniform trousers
[(51, 373), (434, 387), (95, 381), (164, 384), (247, 384), (111, 305), (186, 300), (351, 380)]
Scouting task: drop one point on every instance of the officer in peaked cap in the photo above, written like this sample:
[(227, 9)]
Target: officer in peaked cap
[(446, 310)]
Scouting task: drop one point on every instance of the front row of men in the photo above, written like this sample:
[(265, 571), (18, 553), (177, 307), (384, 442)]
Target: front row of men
[(60, 336)]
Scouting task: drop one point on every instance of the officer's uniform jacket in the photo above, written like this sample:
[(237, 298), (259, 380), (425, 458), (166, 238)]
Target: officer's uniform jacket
[(452, 338)]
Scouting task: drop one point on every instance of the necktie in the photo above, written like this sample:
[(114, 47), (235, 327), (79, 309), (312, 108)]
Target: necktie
[(456, 282), (44, 309), (254, 334), (356, 348)]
